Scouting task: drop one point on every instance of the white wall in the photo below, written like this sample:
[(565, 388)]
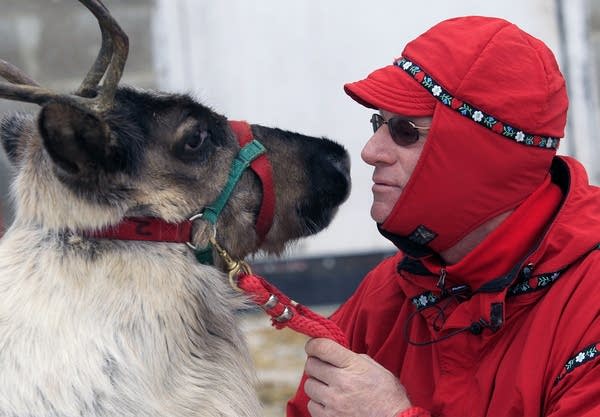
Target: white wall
[(283, 63), (579, 67)]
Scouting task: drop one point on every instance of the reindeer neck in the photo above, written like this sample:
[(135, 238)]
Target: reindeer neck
[(150, 307)]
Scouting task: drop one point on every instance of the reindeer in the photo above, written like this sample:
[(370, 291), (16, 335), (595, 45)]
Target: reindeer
[(100, 316)]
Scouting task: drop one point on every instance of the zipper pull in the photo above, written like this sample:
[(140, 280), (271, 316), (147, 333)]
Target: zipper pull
[(441, 284)]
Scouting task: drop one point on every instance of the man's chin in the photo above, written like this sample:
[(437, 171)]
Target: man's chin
[(379, 213)]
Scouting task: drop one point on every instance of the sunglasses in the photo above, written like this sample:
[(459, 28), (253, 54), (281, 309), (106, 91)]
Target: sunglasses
[(403, 131)]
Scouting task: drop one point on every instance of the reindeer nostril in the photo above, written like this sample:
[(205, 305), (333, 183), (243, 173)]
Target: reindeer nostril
[(329, 187), (336, 177), (343, 165)]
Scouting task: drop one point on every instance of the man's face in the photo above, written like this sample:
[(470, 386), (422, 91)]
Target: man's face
[(393, 163)]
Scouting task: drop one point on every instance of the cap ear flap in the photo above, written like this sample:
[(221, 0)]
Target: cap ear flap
[(76, 139)]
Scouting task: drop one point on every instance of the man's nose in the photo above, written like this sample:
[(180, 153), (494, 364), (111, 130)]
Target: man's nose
[(377, 149)]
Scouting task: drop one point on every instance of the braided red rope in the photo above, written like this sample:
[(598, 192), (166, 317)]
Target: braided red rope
[(285, 312)]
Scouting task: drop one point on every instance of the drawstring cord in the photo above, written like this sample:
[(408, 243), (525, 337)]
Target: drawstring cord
[(475, 328), (436, 326)]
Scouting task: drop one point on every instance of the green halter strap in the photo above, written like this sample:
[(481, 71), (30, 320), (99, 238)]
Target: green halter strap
[(211, 213)]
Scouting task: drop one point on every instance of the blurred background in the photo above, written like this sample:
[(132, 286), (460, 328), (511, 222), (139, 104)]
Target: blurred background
[(283, 63)]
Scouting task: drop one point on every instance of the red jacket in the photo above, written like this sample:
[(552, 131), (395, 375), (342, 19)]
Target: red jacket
[(523, 339)]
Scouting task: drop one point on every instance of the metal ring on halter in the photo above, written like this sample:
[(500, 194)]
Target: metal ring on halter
[(193, 219), (285, 316), (271, 302)]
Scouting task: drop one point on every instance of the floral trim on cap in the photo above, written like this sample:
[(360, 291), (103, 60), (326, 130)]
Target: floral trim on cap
[(473, 113)]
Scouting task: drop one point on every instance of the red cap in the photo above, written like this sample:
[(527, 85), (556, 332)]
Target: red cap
[(489, 63), (389, 89)]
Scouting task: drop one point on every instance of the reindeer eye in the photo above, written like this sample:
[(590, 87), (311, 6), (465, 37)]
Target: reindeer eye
[(192, 145), (194, 141)]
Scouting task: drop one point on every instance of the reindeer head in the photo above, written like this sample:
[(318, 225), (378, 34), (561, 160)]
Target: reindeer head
[(105, 153)]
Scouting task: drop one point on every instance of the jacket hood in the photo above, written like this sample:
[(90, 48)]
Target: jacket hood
[(575, 230)]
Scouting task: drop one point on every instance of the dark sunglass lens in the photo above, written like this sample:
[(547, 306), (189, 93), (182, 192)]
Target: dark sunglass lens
[(376, 122), (402, 131)]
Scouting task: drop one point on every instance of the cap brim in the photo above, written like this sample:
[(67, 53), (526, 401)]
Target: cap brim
[(391, 89)]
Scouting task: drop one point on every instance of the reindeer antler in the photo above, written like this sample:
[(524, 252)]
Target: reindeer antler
[(13, 74), (109, 64)]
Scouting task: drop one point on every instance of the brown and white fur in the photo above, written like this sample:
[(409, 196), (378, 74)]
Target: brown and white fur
[(93, 327)]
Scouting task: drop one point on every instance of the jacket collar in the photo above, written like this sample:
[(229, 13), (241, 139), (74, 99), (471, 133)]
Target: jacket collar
[(505, 259), (494, 260)]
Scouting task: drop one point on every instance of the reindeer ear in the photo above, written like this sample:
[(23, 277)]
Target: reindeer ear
[(15, 130), (76, 139)]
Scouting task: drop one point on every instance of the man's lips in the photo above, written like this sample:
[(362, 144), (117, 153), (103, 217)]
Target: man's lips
[(384, 183), (380, 186)]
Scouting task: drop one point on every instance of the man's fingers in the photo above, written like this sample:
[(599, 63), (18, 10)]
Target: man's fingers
[(329, 351), (315, 409), (316, 390), (317, 369)]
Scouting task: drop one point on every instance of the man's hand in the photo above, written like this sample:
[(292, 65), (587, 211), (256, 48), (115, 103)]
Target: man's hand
[(343, 383)]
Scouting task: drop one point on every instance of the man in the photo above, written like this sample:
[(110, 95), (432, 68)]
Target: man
[(490, 308)]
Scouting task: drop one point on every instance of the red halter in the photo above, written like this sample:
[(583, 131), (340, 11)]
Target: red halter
[(158, 230)]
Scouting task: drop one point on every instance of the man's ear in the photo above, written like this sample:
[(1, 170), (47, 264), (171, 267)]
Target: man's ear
[(76, 139)]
